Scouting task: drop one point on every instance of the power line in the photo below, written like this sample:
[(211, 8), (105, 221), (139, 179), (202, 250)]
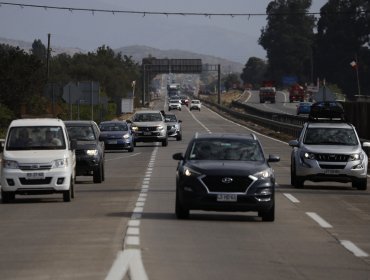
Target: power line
[(144, 13)]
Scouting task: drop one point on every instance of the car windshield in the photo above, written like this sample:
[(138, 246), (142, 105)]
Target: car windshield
[(148, 117), (171, 118), (81, 133), (113, 127), (36, 138), (330, 136), (224, 149)]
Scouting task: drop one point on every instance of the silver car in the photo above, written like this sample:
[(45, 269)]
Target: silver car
[(173, 126), (329, 151)]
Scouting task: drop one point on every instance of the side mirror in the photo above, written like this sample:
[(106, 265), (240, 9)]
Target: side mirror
[(180, 121), (2, 144), (273, 158), (293, 143), (178, 156)]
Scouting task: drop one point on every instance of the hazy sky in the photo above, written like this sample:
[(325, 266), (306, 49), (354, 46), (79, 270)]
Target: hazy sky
[(234, 38)]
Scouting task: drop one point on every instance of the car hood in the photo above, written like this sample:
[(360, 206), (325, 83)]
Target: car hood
[(227, 167), (332, 149), (107, 134), (35, 156), (86, 145), (147, 124)]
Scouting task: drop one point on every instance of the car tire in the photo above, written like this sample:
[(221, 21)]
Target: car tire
[(7, 197), (181, 212), (134, 143), (360, 184), (179, 137), (72, 188), (165, 142), (103, 171), (131, 149), (98, 174), (269, 215), (296, 181), (67, 195)]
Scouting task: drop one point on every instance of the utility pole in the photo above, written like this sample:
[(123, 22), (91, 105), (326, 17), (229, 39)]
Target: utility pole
[(48, 58)]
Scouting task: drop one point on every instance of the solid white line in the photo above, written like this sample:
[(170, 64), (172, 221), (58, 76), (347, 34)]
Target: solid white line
[(120, 266), (354, 249), (198, 121), (319, 220), (291, 198)]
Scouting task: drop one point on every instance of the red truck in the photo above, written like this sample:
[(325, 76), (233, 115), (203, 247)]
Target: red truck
[(267, 92), (296, 93)]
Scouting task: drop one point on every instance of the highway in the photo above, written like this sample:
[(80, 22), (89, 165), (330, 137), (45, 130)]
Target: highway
[(125, 228)]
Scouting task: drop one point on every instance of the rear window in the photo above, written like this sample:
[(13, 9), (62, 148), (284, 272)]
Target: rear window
[(81, 133)]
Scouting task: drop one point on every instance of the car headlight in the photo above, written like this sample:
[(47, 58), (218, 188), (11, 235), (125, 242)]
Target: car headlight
[(92, 152), (354, 157), (59, 163), (267, 173), (134, 128), (307, 155), (126, 136), (10, 164), (160, 127), (190, 172)]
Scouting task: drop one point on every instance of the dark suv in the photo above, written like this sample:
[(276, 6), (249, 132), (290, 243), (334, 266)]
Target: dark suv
[(89, 151), (225, 172)]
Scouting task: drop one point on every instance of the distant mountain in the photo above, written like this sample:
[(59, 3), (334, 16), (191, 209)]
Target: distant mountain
[(138, 52)]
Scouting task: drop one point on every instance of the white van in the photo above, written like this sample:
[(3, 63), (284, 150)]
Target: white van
[(37, 158)]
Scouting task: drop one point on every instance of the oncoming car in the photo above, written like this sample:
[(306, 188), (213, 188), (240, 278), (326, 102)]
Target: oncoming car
[(116, 135), (328, 149), (225, 172), (173, 126), (195, 105)]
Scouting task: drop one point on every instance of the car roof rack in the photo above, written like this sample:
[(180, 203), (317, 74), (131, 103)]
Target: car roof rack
[(325, 111)]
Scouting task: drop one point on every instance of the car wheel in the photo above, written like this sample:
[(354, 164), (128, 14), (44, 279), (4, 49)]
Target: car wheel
[(179, 137), (72, 188), (134, 143), (67, 195), (131, 149), (98, 174), (180, 210), (103, 171), (360, 184), (269, 215), (165, 142), (296, 181), (7, 197)]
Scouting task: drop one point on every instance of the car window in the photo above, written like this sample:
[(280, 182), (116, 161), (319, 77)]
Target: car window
[(171, 118), (113, 127), (330, 136), (216, 149), (149, 117), (36, 138), (82, 133)]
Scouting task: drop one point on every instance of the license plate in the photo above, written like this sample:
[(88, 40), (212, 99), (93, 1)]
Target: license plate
[(35, 176), (227, 197), (147, 133), (112, 141), (332, 171)]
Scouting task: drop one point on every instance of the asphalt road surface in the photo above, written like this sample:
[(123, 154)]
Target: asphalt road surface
[(126, 228)]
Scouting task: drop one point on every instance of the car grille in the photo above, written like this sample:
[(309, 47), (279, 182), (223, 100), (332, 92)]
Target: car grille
[(33, 167), (152, 128), (45, 181), (239, 184), (332, 157), (329, 166)]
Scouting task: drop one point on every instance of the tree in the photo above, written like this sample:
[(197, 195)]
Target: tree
[(254, 71), (232, 81), (343, 34), (288, 38), (39, 50)]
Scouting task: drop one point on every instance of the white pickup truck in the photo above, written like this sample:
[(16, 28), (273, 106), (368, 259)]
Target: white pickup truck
[(37, 158)]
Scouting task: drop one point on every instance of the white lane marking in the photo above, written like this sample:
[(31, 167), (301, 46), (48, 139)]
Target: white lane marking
[(354, 249), (133, 155), (198, 121), (319, 220), (133, 231), (129, 260), (247, 128), (291, 198)]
